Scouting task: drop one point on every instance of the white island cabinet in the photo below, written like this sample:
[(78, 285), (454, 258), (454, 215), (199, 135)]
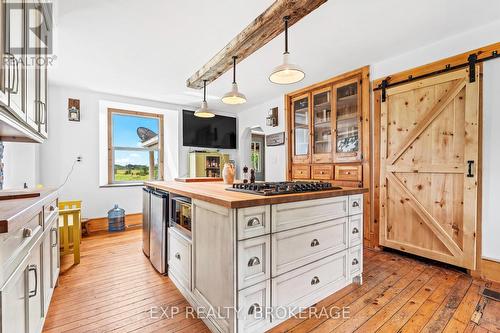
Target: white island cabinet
[(29, 261), (253, 262)]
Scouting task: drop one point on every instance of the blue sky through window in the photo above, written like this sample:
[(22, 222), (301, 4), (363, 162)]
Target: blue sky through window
[(125, 135)]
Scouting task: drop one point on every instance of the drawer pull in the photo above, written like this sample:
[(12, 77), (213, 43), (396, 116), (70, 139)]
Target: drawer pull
[(355, 230), (253, 308), (315, 281), (314, 242), (52, 208), (177, 256), (27, 232), (57, 237), (355, 204), (34, 269), (254, 261), (355, 261), (253, 222)]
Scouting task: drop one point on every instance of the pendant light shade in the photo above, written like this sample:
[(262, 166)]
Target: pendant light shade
[(234, 96), (203, 111), (286, 73)]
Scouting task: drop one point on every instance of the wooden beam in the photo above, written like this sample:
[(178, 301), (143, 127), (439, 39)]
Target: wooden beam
[(262, 30)]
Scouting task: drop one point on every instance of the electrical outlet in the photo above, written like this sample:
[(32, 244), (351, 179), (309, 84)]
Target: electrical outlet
[(78, 158)]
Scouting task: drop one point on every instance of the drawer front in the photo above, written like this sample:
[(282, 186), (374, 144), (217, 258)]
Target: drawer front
[(301, 172), (299, 214), (299, 247), (355, 204), (252, 305), (49, 210), (348, 172), (355, 261), (254, 221), (322, 172), (355, 230), (254, 264), (311, 283), (179, 258)]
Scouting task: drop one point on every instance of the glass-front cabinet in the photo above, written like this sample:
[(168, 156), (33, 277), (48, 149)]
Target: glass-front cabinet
[(322, 125), (347, 119), (301, 129)]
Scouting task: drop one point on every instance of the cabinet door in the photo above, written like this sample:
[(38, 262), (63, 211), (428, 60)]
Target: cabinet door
[(14, 316), (46, 269), (32, 19), (301, 140), (14, 47), (4, 70), (55, 253), (34, 285), (322, 125), (347, 107), (42, 82)]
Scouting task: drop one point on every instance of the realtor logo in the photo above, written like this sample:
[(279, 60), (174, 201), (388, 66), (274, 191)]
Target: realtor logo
[(36, 18)]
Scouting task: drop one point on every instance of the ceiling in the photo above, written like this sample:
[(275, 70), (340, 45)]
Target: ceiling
[(147, 49)]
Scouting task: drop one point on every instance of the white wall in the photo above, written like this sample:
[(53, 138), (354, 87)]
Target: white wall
[(21, 165), (275, 158), (491, 159)]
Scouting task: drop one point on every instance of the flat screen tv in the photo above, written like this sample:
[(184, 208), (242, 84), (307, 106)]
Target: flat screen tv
[(216, 132)]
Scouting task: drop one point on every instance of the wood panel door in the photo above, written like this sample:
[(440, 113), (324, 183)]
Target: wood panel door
[(429, 162), (301, 129)]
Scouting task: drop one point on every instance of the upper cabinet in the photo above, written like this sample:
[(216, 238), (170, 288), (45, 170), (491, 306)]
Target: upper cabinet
[(322, 125), (347, 121), (24, 31)]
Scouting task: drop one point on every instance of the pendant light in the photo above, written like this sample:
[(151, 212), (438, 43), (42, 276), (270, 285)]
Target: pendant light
[(286, 73), (203, 111), (234, 96)]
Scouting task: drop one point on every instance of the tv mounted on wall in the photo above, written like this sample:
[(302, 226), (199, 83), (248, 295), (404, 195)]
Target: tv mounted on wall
[(217, 132)]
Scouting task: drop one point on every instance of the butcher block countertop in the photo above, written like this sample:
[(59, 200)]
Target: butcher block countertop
[(20, 210), (215, 193)]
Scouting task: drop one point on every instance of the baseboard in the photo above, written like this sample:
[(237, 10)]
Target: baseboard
[(490, 270), (101, 223)]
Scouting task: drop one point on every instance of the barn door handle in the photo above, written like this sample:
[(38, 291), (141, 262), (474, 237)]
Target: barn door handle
[(470, 174)]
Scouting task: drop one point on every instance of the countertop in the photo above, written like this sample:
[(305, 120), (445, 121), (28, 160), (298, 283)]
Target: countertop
[(18, 210), (215, 193)]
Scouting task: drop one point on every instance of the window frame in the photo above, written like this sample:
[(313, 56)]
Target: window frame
[(111, 155)]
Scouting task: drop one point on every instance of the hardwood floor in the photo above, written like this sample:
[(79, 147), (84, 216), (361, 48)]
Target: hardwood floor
[(114, 289)]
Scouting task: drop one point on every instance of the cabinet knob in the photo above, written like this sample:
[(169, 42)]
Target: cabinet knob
[(177, 256), (52, 208), (253, 222), (355, 230), (355, 261), (27, 232), (314, 281), (254, 261), (253, 308), (314, 242), (355, 204)]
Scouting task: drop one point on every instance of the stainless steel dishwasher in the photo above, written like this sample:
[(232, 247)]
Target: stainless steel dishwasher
[(146, 208), (158, 231)]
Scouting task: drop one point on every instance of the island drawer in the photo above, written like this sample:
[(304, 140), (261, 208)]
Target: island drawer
[(254, 261), (298, 247), (179, 258), (254, 221), (355, 204), (302, 213), (355, 230), (252, 305), (355, 261), (301, 171), (322, 172), (311, 283), (349, 172)]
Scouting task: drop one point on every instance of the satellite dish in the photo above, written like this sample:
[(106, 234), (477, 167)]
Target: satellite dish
[(145, 134)]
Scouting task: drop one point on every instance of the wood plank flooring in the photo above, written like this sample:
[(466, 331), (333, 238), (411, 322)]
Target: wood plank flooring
[(114, 289)]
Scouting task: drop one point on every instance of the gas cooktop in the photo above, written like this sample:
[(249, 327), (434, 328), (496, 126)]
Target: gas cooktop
[(275, 188)]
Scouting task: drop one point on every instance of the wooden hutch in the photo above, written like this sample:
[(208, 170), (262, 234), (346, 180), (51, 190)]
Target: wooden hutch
[(328, 131)]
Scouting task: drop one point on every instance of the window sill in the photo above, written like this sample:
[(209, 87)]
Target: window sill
[(122, 185)]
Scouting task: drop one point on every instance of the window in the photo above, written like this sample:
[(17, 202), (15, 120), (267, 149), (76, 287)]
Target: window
[(135, 146)]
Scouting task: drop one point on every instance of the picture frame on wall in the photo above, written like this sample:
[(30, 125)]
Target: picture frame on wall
[(73, 109)]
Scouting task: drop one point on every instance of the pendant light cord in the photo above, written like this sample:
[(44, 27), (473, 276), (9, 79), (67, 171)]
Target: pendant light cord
[(204, 90), (286, 18), (234, 68)]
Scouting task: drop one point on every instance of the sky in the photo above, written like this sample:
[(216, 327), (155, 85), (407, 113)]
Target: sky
[(125, 135)]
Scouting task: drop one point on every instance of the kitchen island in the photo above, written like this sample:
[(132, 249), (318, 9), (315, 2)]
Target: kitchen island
[(253, 261)]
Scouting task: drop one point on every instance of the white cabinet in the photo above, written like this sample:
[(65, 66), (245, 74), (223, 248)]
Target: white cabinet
[(34, 288), (14, 318), (254, 221), (252, 305), (50, 261), (179, 257), (254, 261)]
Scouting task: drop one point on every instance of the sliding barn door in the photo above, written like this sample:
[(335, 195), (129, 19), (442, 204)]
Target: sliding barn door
[(429, 163)]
